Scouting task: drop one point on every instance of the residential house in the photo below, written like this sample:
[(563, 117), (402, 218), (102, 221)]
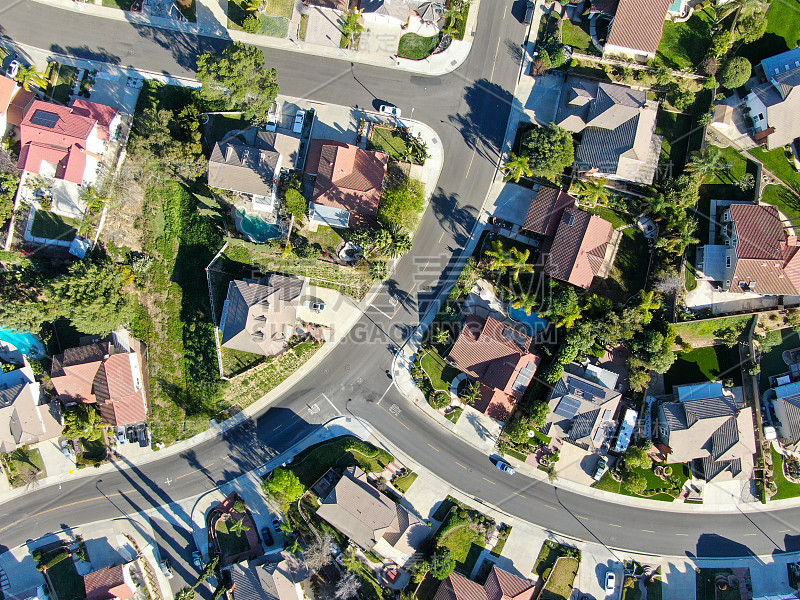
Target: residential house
[(576, 245), (399, 12), (787, 410), (109, 373), (583, 407), (636, 29), (372, 520), (250, 163), (14, 100), (66, 142), (25, 415), (111, 583), (705, 426), (499, 357), (773, 106), (759, 254), (269, 581), (500, 585), (617, 125), (349, 182), (260, 317)]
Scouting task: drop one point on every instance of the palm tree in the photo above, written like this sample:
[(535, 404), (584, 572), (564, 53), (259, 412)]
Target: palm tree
[(472, 391), (442, 337), (516, 167), (648, 303), (592, 190), (514, 260), (237, 526), (253, 5), (705, 161), (527, 302), (185, 594), (29, 77), (677, 242), (399, 242)]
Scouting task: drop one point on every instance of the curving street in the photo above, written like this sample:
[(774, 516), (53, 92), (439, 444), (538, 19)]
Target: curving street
[(469, 110)]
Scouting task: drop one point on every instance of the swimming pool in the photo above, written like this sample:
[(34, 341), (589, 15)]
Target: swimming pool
[(258, 228), (534, 322), (27, 343)]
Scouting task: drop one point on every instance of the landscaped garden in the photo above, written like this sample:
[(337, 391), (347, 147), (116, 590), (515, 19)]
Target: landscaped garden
[(398, 143), (708, 587), (674, 481), (49, 225), (721, 184), (463, 532), (404, 482), (783, 32), (438, 371), (417, 47), (559, 583), (577, 35), (272, 19), (675, 128), (65, 78), (704, 364), (61, 574), (777, 341), (786, 488), (313, 462), (232, 531), (705, 332), (24, 466)]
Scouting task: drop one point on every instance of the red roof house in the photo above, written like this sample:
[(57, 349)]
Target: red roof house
[(578, 249), (546, 209), (499, 357), (106, 374), (500, 585), (109, 584), (104, 115), (348, 178), (14, 100)]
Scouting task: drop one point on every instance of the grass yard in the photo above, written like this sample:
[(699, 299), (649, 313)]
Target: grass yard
[(325, 237), (281, 9), (707, 590), (67, 583), (466, 544), (629, 272), (675, 128), (721, 184), (416, 47), (122, 4), (438, 371), (235, 362), (303, 28), (64, 81), (683, 45), (786, 489), (634, 593), (783, 32), (616, 219), (787, 200), (405, 482), (94, 449), (313, 462), (274, 26), (230, 544), (389, 141), (454, 415), (441, 512), (704, 364), (703, 333), (577, 36), (608, 484), (559, 584), (772, 363), (24, 466), (53, 227)]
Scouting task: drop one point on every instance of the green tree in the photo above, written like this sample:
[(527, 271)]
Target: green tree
[(634, 482), (636, 458), (8, 191), (746, 182), (399, 241), (517, 167), (512, 260), (648, 302), (82, 422), (542, 64), (720, 43), (553, 372), (752, 27), (29, 77), (736, 72), (186, 593), (442, 337), (284, 486), (527, 301), (471, 393), (352, 26), (549, 150), (402, 203), (295, 203), (379, 270), (238, 79), (90, 295), (592, 190), (538, 412), (729, 335), (237, 526), (442, 563), (564, 308), (517, 431)]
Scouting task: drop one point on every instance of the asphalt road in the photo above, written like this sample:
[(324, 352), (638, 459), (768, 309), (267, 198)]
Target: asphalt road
[(469, 109)]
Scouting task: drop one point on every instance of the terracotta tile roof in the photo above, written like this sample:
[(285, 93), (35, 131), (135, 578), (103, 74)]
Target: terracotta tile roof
[(70, 162), (101, 113), (500, 585), (19, 105), (458, 587), (8, 88), (348, 177), (579, 247), (638, 24), (546, 209), (106, 584), (55, 125)]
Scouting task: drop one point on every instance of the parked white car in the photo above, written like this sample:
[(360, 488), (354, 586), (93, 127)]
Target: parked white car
[(611, 582), (299, 117), (392, 111), (13, 69), (314, 305)]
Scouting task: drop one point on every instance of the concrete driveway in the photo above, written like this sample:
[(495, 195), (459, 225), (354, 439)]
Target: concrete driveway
[(339, 309), (323, 27), (477, 429), (592, 576)]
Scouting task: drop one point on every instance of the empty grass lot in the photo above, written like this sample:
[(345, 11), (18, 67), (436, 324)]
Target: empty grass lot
[(704, 364), (416, 47), (53, 227), (703, 333), (683, 45)]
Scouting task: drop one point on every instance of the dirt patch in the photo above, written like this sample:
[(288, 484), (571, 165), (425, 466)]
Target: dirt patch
[(124, 212)]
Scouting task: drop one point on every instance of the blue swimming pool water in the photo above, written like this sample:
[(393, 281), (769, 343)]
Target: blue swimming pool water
[(27, 343), (534, 322), (258, 228)]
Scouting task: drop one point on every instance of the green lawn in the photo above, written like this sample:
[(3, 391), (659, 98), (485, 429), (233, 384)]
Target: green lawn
[(64, 81), (94, 449), (701, 333), (548, 554), (783, 32), (325, 237), (53, 227), (683, 45), (313, 462), (235, 362), (559, 585), (786, 489), (612, 216), (608, 484), (466, 545), (123, 4), (628, 274), (276, 11), (280, 8), (67, 584), (220, 125), (303, 28), (787, 200), (772, 358), (389, 141), (454, 415), (416, 47), (438, 371), (704, 364), (675, 128), (441, 512), (634, 593), (405, 482), (24, 466), (577, 36), (721, 184), (273, 26)]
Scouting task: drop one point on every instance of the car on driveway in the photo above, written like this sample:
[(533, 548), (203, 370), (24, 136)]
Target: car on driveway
[(600, 469), (197, 559), (120, 435), (266, 535), (276, 525), (505, 468), (314, 305), (166, 568), (611, 582), (299, 117), (141, 433), (388, 109), (13, 69), (130, 431)]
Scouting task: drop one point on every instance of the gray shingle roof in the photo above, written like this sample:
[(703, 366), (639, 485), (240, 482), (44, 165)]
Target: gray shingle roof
[(240, 167)]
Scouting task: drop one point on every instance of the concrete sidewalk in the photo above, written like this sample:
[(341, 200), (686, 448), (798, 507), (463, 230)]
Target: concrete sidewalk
[(212, 21)]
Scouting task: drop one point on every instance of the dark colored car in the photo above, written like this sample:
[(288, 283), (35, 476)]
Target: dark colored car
[(131, 433), (530, 7), (276, 525), (266, 535), (141, 432)]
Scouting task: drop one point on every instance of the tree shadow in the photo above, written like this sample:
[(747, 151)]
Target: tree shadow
[(86, 53), (184, 47), (455, 217), (483, 126), (514, 50)]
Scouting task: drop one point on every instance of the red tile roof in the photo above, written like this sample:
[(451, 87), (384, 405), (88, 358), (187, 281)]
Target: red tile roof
[(101, 113), (546, 209), (19, 105), (106, 584), (68, 127), (500, 585), (348, 177), (70, 162), (579, 247), (8, 88), (638, 24)]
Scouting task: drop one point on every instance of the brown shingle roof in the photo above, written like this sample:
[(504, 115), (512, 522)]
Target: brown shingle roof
[(638, 25), (579, 247), (546, 210)]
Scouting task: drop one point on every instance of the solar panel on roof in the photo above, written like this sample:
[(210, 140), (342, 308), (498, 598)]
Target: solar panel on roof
[(590, 391), (567, 407), (44, 118)]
